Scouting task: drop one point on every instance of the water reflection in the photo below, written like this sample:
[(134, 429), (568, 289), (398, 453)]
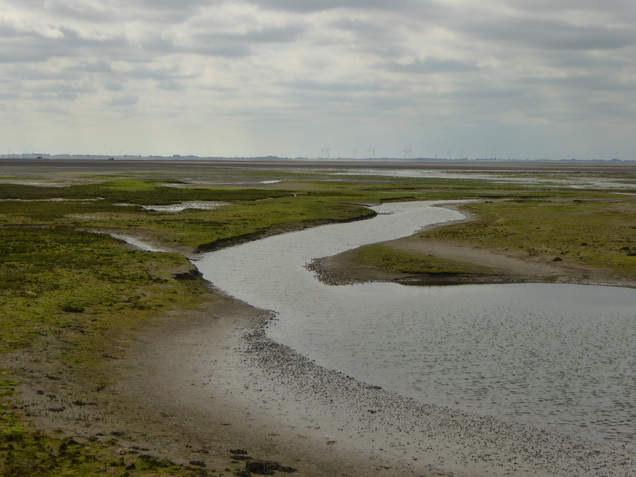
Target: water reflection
[(552, 356)]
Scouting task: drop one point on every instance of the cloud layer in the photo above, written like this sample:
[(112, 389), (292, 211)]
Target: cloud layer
[(523, 79)]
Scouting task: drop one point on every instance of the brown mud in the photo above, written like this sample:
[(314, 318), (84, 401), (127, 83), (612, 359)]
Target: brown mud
[(206, 386)]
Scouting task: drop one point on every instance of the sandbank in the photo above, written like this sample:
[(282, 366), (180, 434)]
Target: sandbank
[(216, 378)]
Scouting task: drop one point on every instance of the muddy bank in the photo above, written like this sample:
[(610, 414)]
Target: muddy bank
[(203, 385), (221, 382), (208, 387), (344, 268), (107, 406)]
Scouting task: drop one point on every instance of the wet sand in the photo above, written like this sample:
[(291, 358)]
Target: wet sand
[(219, 379), (12, 165), (198, 385), (219, 376)]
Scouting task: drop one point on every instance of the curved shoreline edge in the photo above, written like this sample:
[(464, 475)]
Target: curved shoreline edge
[(323, 422), (344, 268), (196, 386), (429, 438), (219, 382)]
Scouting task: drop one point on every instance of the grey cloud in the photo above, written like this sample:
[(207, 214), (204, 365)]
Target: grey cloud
[(617, 8), (591, 38), (55, 91), (616, 109), (552, 34), (171, 5), (113, 85), (124, 100), (335, 87), (158, 44), (284, 34), (9, 31), (170, 85), (369, 34), (168, 11), (357, 98), (585, 82), (25, 47), (308, 6), (239, 44), (435, 66), (85, 12), (23, 54), (264, 35), (93, 66), (74, 40), (232, 49), (165, 76), (585, 60), (486, 91), (114, 11), (35, 47)]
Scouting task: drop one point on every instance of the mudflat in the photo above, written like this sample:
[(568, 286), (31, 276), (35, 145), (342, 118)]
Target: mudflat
[(149, 166), (207, 389)]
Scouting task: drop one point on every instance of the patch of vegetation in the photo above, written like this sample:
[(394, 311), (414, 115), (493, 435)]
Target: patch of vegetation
[(251, 213), (133, 191), (591, 232), (399, 261), (57, 280), (83, 290), (34, 454)]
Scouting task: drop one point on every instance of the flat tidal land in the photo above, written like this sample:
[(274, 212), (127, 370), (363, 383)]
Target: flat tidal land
[(120, 361)]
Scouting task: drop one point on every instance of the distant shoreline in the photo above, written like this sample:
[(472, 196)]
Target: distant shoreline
[(185, 388), (126, 163)]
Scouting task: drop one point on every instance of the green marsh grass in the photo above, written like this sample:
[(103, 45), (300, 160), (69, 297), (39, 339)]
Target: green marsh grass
[(594, 230), (81, 290), (400, 261), (84, 290), (60, 282)]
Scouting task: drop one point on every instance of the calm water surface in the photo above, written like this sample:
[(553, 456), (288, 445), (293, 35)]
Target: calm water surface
[(552, 356)]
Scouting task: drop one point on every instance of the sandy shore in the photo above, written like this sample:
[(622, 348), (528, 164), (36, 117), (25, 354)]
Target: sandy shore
[(498, 268), (209, 387), (215, 379)]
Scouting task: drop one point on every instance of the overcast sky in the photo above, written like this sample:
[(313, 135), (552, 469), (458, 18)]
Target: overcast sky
[(384, 78)]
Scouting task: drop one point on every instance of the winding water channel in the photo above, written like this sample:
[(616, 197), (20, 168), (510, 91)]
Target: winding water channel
[(552, 356)]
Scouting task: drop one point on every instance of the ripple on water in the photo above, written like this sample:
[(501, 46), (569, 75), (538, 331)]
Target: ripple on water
[(551, 356)]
